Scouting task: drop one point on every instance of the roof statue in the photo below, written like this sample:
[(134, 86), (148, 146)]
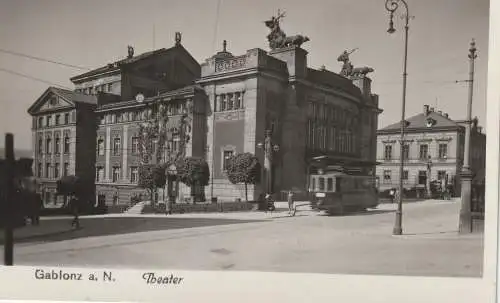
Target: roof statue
[(277, 37), (130, 51), (348, 70), (178, 38)]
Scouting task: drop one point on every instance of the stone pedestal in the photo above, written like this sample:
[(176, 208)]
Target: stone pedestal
[(465, 223), (295, 58)]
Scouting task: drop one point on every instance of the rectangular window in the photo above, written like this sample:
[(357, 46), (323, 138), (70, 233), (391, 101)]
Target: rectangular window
[(57, 167), (424, 152), (441, 175), (40, 122), (237, 101), (58, 119), (223, 103), (405, 175), (230, 101), (116, 174), (227, 155), (388, 152), (66, 144), (406, 152), (48, 121), (134, 174), (135, 145), (117, 145), (443, 151), (330, 184), (321, 184), (39, 170), (110, 87), (422, 177), (66, 118), (100, 147), (48, 146), (40, 146), (387, 176), (47, 170), (66, 169), (58, 145)]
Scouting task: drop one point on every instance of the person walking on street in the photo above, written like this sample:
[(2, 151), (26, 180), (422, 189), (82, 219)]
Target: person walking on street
[(392, 194), (290, 202), (75, 211)]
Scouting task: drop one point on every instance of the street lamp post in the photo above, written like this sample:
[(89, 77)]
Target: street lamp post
[(465, 224), (269, 148), (391, 6), (429, 166)]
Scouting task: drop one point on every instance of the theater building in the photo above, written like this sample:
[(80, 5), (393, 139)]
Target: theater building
[(433, 150), (230, 102)]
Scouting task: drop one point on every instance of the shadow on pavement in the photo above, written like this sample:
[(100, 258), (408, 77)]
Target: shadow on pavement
[(60, 229), (363, 213)]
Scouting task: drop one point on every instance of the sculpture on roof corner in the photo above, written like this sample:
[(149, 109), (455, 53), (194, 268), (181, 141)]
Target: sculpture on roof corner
[(130, 51), (277, 37), (178, 38), (348, 70)]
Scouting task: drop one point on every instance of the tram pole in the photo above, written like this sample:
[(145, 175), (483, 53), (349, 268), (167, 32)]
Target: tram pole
[(9, 197)]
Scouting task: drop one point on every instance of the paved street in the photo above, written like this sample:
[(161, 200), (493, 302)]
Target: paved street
[(354, 244)]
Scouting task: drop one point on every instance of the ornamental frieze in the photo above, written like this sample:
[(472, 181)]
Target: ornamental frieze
[(230, 115), (230, 64)]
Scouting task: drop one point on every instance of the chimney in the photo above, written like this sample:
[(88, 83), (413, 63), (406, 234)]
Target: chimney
[(432, 109), (446, 115), (426, 109)]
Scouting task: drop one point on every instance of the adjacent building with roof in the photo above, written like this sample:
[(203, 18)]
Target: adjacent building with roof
[(433, 150), (230, 102)]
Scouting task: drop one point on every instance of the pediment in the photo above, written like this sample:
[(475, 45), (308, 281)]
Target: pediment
[(51, 100)]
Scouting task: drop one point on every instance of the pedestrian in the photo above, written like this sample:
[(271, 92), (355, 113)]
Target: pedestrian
[(37, 205), (290, 202), (392, 193), (73, 204)]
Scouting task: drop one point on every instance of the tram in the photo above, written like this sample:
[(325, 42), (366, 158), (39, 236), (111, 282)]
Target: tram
[(338, 191)]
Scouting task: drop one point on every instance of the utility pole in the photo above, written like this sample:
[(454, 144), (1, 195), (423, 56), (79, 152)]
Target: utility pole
[(465, 223), (9, 217)]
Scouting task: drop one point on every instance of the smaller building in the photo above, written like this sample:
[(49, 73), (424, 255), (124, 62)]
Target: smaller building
[(433, 150), (64, 132)]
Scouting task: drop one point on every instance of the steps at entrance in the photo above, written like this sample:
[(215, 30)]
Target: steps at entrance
[(136, 209)]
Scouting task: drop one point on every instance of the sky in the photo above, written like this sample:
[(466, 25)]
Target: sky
[(93, 33)]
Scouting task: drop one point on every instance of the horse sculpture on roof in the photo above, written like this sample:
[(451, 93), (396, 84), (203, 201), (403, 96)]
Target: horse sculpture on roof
[(277, 37)]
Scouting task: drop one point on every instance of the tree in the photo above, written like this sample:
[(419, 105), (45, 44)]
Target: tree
[(244, 168), (69, 185), (193, 171), (151, 177)]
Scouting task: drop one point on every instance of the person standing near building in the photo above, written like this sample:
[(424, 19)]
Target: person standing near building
[(392, 194), (290, 202), (75, 209)]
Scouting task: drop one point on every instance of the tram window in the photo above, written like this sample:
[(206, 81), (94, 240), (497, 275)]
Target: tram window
[(330, 184), (321, 184)]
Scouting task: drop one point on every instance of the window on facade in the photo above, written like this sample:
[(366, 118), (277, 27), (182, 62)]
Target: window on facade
[(66, 169), (405, 175), (40, 122), (57, 167), (330, 184), (135, 145), (117, 144), (321, 184), (443, 151), (387, 176), (424, 152), (40, 146), (48, 146), (48, 121), (116, 174), (134, 174), (39, 170), (100, 147), (58, 119), (441, 175), (223, 103), (66, 118), (406, 151), (110, 87), (237, 101), (57, 147), (66, 144), (422, 177), (99, 173), (113, 118), (47, 170), (227, 155), (230, 101)]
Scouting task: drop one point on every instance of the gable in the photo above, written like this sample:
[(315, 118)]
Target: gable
[(51, 100), (420, 122)]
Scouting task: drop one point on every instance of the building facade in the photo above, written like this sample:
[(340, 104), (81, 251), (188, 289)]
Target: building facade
[(63, 135), (433, 150), (230, 102)]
